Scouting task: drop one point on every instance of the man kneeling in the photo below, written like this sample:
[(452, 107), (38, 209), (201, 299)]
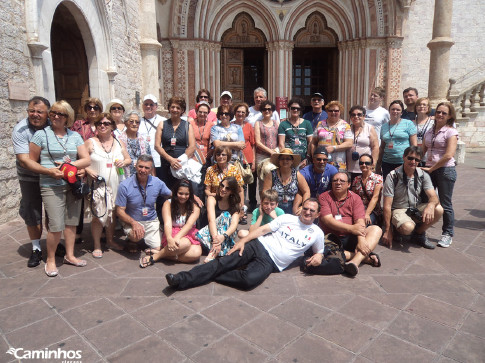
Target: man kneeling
[(269, 248)]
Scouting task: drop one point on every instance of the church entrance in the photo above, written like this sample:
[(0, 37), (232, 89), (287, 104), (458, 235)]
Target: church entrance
[(71, 79)]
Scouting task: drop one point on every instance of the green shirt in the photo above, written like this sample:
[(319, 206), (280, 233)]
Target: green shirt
[(266, 218)]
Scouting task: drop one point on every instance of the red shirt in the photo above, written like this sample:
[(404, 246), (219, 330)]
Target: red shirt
[(351, 209), (248, 132)]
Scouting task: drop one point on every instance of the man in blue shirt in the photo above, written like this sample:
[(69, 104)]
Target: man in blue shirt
[(319, 174), (317, 113), (135, 204)]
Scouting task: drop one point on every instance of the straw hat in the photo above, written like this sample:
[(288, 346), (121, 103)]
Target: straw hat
[(286, 151), (114, 101)]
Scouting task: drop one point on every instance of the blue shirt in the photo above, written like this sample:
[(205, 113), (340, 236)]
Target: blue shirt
[(314, 118), (399, 134), (130, 197), (318, 183)]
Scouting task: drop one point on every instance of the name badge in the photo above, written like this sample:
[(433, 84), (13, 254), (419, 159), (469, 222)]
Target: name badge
[(173, 141), (144, 211), (297, 142), (328, 137), (149, 138), (338, 217), (66, 159), (201, 147), (390, 145), (109, 165)]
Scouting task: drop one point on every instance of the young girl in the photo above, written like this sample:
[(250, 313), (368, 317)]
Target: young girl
[(223, 211), (179, 215)]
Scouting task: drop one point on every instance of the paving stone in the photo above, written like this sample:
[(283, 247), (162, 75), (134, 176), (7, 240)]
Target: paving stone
[(150, 349), (241, 351), (456, 262), (369, 312), (345, 332), (62, 304), (300, 312), (466, 348), (397, 301), (436, 310), (91, 272), (476, 251), (40, 334), (231, 313), (475, 282), (338, 283), (192, 334), (144, 287), (423, 284), (479, 305), (131, 303), (275, 284), (22, 286), (7, 302), (331, 302), (199, 303), (20, 315), (116, 334), (463, 300), (76, 343), (58, 287), (420, 331), (92, 314), (310, 348), (389, 349), (269, 333), (474, 324), (161, 314)]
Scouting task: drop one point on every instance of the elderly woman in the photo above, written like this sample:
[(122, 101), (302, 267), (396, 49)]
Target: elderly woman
[(368, 186), (116, 108), (203, 96), (335, 135), (365, 140), (396, 136), (227, 133), (134, 143), (295, 132), (51, 147), (440, 143), (108, 156), (287, 181), (174, 138)]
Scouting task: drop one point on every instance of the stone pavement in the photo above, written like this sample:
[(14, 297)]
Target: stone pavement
[(420, 306)]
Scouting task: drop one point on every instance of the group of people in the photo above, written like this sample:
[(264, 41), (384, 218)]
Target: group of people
[(180, 184)]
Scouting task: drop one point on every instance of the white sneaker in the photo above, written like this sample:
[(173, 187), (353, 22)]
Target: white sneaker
[(445, 241)]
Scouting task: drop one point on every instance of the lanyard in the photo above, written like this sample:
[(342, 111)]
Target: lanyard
[(319, 183), (341, 205), (356, 137), (395, 128), (146, 126), (423, 129), (143, 195), (316, 118), (201, 135), (65, 142)]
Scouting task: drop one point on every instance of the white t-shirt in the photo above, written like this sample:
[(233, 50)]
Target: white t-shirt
[(148, 131), (377, 118), (257, 116), (290, 238)]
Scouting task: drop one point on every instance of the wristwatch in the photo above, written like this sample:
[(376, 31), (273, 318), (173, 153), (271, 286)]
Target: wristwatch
[(225, 236)]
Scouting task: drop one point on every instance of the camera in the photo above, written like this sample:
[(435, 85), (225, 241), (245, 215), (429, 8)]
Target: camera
[(415, 214), (355, 155)]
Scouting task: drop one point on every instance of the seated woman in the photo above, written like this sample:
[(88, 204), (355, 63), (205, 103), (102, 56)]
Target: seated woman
[(368, 186), (223, 211), (179, 216), (287, 181)]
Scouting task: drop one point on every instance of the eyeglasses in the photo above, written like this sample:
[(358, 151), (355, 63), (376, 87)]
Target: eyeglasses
[(356, 114), (224, 114), (295, 108), (106, 124), (38, 112), (321, 159), (368, 163), (268, 109), (133, 122), (149, 104), (410, 158), (95, 108), (306, 209), (58, 114), (116, 108), (441, 113), (334, 111), (339, 181)]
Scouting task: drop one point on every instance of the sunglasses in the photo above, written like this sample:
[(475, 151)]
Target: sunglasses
[(95, 108), (334, 111), (321, 159), (106, 124), (222, 186), (202, 96), (441, 113), (306, 209), (220, 154), (58, 114), (356, 114), (224, 114), (295, 108), (268, 109), (368, 163), (116, 108), (410, 158)]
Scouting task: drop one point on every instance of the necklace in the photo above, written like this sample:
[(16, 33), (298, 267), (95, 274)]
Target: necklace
[(111, 148)]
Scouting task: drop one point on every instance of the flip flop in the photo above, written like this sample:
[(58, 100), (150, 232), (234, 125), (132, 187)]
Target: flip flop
[(144, 263), (351, 269), (97, 253), (373, 264)]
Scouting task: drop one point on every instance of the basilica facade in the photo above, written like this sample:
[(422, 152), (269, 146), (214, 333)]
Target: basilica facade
[(74, 49)]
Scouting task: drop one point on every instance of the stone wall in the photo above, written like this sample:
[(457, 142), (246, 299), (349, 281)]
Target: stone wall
[(15, 67)]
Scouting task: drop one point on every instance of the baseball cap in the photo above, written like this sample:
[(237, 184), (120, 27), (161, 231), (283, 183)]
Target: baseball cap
[(150, 97), (226, 93)]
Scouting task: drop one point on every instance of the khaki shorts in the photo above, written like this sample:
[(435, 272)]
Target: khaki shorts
[(153, 235), (62, 208), (399, 216)]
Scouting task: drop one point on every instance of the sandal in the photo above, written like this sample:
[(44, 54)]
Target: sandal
[(211, 256), (144, 263), (373, 261), (151, 251), (97, 253), (244, 220)]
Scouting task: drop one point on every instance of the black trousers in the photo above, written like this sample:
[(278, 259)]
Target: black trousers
[(253, 191), (224, 270)]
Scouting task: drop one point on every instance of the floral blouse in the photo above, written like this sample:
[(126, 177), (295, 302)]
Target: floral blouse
[(214, 176), (366, 196)]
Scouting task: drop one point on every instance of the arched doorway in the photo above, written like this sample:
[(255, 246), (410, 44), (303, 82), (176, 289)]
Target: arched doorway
[(71, 77), (244, 59), (315, 60)]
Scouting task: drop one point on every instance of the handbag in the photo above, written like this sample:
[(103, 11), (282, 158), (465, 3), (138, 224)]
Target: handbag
[(245, 171)]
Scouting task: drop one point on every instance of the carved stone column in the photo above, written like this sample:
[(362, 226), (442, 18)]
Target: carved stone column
[(394, 65), (150, 47), (280, 68), (36, 50), (440, 51)]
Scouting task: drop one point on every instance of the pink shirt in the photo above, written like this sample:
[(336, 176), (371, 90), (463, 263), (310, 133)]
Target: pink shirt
[(436, 144), (211, 117)]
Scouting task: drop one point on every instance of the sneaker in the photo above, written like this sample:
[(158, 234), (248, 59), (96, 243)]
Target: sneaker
[(445, 241), (172, 280), (422, 240), (35, 258)]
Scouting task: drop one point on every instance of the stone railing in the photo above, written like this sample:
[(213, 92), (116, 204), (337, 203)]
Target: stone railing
[(468, 102)]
